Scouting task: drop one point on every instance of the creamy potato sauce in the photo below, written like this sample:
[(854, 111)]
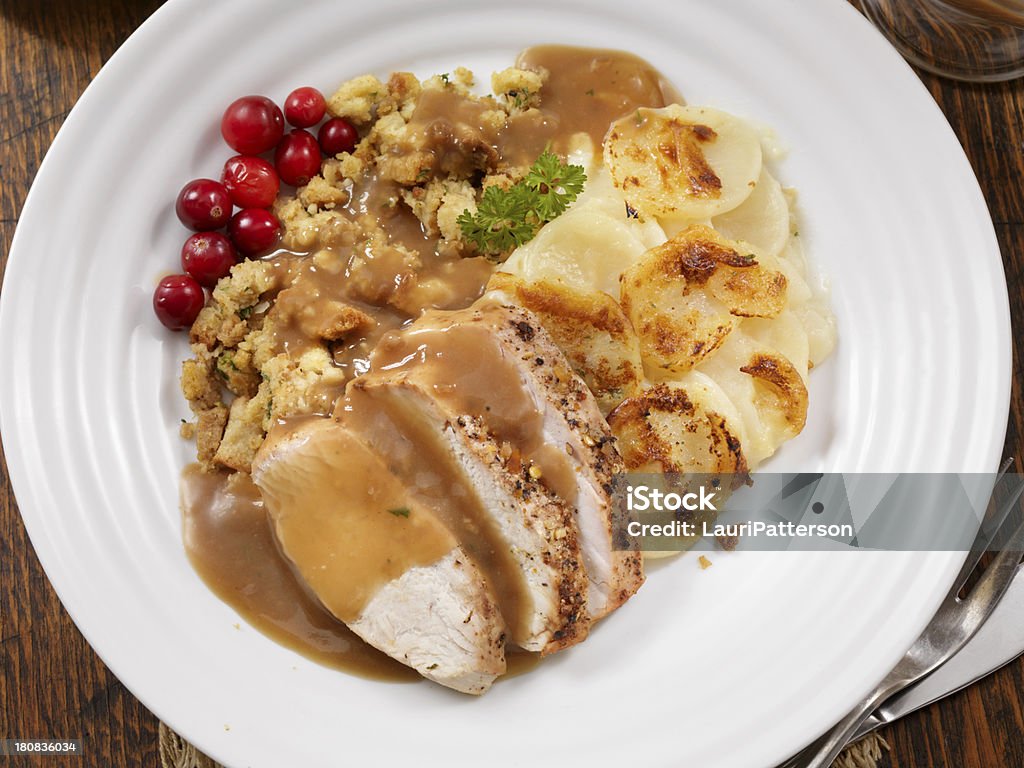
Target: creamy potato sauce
[(226, 531)]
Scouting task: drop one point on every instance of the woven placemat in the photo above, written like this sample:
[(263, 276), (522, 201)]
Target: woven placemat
[(175, 752)]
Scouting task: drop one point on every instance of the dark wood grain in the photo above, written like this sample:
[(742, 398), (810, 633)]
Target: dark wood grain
[(53, 685)]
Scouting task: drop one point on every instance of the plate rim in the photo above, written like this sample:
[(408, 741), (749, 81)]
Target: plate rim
[(19, 472)]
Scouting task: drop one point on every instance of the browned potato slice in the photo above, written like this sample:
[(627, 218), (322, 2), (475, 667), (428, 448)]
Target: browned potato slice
[(591, 330), (766, 388), (683, 163), (668, 428), (684, 297), (780, 393), (689, 430)]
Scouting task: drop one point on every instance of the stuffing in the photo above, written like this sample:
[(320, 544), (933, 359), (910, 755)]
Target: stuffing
[(356, 99), (401, 92), (266, 343), (319, 193), (224, 320), (519, 89)]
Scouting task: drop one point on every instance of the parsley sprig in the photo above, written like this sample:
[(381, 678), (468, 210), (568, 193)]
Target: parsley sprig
[(502, 220), (507, 218), (555, 184)]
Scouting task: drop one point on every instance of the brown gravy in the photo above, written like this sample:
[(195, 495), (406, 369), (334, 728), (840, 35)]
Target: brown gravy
[(230, 544), (345, 522), (519, 662), (386, 284), (456, 355), (586, 91), (591, 88), (227, 535), (415, 453)]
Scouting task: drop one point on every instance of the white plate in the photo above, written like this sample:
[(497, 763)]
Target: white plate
[(736, 666)]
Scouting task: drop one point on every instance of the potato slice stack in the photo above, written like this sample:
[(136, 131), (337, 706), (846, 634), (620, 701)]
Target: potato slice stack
[(677, 287)]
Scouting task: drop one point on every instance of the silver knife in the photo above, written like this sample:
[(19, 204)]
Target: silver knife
[(999, 641)]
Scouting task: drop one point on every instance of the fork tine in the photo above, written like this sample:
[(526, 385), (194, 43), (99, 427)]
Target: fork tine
[(989, 590), (990, 526)]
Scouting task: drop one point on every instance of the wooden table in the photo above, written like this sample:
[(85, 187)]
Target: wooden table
[(51, 682)]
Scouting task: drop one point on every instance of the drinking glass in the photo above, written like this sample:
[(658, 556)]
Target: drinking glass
[(976, 40)]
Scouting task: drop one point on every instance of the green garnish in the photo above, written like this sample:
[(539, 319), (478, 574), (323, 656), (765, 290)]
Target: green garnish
[(500, 222), (224, 361), (520, 98), (507, 218), (400, 511), (445, 78), (556, 185), (244, 312)]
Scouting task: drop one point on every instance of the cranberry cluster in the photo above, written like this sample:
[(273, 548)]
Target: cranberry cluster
[(252, 126)]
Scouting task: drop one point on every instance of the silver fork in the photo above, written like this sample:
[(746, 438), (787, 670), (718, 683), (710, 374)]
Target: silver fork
[(953, 625)]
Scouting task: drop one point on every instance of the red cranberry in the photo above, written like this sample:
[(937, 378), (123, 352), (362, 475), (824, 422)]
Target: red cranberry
[(297, 157), (337, 135), (203, 204), (251, 181), (254, 231), (208, 256), (304, 107), (177, 301), (252, 124)]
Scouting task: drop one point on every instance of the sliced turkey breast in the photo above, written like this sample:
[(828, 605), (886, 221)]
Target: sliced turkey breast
[(495, 361), (573, 421), (379, 560), (522, 536)]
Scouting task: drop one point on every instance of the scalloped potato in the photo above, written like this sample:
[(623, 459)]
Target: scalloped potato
[(586, 248), (685, 297), (688, 163), (671, 427), (761, 220), (715, 327), (767, 390)]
